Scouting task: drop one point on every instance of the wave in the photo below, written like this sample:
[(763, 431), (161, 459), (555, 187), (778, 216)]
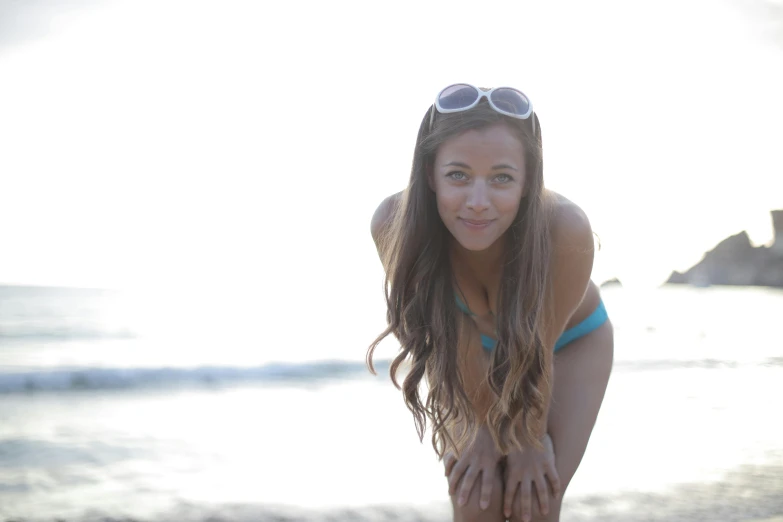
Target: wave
[(80, 378), (74, 379), (54, 334)]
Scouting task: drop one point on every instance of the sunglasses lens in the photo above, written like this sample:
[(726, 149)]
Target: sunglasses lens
[(511, 101), (457, 97)]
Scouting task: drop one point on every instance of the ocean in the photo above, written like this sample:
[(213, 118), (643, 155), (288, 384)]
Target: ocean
[(107, 414), (176, 148)]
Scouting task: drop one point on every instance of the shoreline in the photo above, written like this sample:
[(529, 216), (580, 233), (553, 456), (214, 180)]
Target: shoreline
[(745, 494)]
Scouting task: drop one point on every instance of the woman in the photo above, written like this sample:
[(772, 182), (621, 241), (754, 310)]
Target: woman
[(488, 291)]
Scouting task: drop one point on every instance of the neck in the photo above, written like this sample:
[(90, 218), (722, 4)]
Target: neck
[(484, 265)]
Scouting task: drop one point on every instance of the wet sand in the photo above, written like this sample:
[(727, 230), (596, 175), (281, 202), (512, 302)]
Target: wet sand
[(748, 494)]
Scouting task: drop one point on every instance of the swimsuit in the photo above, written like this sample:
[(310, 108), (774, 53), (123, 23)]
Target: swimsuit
[(590, 323)]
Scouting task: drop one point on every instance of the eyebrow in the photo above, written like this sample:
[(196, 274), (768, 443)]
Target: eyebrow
[(465, 166)]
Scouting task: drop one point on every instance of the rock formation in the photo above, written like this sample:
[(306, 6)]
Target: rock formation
[(734, 261)]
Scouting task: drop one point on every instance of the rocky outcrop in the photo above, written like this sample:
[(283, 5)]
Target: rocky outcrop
[(734, 261), (611, 282)]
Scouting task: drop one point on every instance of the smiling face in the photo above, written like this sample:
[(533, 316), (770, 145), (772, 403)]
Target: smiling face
[(479, 179)]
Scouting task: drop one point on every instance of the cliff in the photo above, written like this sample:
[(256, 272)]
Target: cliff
[(734, 261)]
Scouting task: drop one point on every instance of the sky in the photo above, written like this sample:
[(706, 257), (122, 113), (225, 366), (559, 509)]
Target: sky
[(177, 145)]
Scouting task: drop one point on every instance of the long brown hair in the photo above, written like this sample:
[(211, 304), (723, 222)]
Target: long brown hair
[(421, 309)]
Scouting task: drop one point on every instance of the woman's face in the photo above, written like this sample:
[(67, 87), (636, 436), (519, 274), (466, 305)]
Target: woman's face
[(479, 179)]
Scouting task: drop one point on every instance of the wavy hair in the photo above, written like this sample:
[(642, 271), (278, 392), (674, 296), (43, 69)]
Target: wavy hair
[(420, 296)]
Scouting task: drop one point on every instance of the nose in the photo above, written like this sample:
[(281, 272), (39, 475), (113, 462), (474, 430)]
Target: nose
[(478, 197)]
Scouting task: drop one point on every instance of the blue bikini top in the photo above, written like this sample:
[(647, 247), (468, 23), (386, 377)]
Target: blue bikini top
[(590, 323), (486, 341)]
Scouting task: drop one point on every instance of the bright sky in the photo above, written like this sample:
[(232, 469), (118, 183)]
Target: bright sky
[(244, 143)]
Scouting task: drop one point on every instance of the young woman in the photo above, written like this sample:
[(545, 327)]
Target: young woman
[(488, 291)]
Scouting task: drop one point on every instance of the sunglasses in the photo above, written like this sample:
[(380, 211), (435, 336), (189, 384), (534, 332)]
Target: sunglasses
[(463, 96)]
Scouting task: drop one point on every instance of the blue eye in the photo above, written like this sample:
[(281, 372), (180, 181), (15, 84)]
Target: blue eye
[(506, 178), (456, 176)]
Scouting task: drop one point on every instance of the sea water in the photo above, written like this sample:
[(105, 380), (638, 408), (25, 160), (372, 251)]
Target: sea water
[(101, 417)]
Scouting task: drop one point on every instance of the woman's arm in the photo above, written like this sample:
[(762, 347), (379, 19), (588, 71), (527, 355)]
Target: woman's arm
[(572, 264), (381, 219)]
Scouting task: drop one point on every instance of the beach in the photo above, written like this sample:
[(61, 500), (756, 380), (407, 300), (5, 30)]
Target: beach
[(188, 284), (687, 431)]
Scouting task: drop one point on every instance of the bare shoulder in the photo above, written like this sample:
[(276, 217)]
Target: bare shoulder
[(383, 215), (570, 228), (573, 250)]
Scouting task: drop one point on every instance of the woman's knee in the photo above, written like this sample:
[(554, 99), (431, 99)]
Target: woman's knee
[(472, 512), (553, 509)]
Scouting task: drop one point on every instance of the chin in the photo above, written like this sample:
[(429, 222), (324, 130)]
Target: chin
[(476, 244)]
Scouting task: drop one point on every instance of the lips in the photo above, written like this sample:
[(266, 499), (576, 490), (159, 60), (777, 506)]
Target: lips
[(476, 224)]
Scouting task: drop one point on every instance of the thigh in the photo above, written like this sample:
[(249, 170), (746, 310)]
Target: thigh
[(581, 374)]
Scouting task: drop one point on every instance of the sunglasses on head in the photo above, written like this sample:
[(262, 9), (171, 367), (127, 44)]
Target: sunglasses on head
[(463, 96)]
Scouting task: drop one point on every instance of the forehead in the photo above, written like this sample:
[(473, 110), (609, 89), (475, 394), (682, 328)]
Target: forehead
[(493, 144)]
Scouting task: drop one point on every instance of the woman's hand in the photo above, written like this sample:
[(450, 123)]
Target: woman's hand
[(482, 458), (527, 469)]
